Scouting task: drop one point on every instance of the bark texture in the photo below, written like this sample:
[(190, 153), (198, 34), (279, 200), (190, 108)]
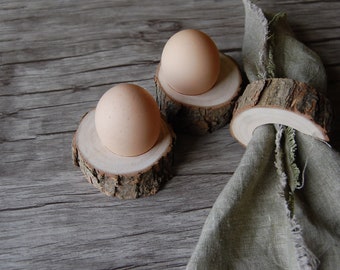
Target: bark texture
[(193, 119), (290, 95)]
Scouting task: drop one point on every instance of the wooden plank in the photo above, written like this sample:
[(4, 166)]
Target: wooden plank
[(56, 59)]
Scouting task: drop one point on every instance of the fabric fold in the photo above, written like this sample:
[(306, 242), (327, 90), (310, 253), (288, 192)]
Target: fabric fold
[(249, 226)]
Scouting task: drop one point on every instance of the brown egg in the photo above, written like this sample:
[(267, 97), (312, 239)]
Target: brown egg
[(190, 62), (127, 120)]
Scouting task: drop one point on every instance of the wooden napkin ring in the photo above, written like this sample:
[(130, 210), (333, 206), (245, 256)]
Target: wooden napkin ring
[(281, 101)]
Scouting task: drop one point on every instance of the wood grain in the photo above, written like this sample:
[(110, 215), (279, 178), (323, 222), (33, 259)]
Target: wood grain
[(56, 59)]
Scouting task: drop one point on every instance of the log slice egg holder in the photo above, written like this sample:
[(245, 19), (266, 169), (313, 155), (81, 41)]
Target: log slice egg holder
[(204, 113), (125, 177)]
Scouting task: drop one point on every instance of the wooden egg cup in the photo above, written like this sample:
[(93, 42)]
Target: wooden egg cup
[(122, 177), (202, 113)]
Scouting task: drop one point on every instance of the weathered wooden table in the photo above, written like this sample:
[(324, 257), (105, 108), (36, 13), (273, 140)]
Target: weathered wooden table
[(56, 59)]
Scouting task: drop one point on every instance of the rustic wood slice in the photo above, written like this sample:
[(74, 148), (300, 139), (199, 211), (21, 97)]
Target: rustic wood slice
[(203, 113), (122, 177), (281, 101)]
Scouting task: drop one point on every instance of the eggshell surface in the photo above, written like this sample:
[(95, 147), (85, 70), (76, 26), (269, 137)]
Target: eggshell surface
[(190, 61), (127, 120)]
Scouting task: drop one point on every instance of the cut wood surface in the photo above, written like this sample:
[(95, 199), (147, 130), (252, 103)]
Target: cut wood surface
[(57, 58)]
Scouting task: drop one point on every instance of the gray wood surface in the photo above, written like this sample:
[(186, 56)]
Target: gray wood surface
[(56, 59)]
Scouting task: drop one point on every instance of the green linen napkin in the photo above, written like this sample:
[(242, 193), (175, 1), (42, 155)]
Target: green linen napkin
[(281, 208)]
